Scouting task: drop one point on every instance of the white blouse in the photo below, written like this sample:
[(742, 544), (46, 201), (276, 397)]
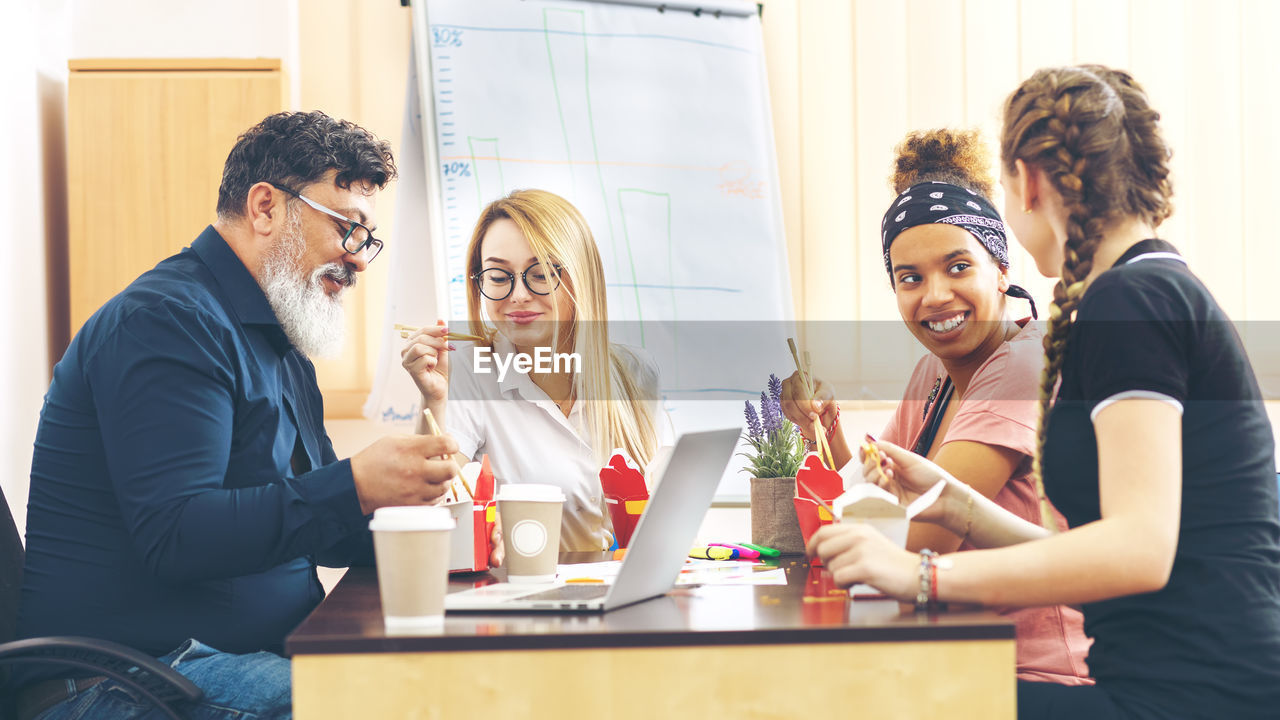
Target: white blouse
[(529, 440)]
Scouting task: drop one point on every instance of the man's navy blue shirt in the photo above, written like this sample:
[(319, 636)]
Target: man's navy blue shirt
[(183, 485)]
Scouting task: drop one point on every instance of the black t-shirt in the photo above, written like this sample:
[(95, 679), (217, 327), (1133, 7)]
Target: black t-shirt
[(1208, 643)]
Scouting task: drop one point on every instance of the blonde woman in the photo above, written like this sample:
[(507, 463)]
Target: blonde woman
[(545, 394)]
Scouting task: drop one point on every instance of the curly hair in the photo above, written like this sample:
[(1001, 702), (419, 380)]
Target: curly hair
[(958, 157), (1092, 131), (296, 149)]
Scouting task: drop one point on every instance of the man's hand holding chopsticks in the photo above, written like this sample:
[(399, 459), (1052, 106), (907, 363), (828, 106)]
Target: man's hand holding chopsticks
[(403, 470)]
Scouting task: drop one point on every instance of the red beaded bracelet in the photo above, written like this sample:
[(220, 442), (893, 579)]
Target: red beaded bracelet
[(834, 424), (830, 431)]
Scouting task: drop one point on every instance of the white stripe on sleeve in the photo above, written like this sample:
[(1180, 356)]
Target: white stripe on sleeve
[(1130, 394)]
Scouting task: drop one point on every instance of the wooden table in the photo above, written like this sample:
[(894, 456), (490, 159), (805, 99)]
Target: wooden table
[(790, 651)]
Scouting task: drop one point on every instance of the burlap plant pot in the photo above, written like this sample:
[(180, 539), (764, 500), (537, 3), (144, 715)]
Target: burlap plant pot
[(773, 515)]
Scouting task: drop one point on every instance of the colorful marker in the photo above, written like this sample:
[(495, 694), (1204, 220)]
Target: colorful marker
[(764, 551), (744, 553), (713, 553)]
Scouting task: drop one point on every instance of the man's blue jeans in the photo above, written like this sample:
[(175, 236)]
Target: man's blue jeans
[(246, 687)]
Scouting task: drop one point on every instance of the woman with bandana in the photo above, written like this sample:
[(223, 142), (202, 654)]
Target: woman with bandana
[(1153, 441), (970, 404)]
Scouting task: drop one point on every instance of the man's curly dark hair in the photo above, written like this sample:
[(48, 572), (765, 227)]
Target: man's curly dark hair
[(296, 149)]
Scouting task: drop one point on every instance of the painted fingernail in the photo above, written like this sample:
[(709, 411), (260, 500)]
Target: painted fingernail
[(451, 347), (870, 438)]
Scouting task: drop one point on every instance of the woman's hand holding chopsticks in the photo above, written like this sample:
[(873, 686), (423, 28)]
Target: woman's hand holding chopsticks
[(908, 476), (804, 409), (426, 358)]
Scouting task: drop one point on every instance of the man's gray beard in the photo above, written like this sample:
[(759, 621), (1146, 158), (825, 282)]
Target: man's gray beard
[(312, 320)]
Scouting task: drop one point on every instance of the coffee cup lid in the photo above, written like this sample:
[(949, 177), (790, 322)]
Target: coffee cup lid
[(530, 491), (411, 518)]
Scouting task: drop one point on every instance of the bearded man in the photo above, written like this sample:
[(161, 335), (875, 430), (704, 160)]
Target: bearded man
[(183, 487)]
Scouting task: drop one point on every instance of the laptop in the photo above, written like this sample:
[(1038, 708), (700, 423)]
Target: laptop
[(658, 547)]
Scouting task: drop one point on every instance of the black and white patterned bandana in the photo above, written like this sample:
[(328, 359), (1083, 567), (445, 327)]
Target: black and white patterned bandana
[(937, 202)]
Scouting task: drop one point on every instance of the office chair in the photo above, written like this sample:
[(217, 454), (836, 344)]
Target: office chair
[(154, 680)]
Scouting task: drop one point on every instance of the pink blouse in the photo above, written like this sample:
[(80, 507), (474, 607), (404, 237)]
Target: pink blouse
[(1000, 409)]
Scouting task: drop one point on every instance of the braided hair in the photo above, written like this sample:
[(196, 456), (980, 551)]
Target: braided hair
[(1093, 133)]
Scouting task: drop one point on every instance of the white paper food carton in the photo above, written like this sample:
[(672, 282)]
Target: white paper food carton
[(867, 503)]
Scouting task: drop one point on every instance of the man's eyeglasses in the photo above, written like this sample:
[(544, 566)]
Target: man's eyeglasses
[(497, 284), (356, 237)]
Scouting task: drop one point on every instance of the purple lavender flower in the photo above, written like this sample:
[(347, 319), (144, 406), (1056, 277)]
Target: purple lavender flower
[(754, 431), (770, 413), (775, 389), (776, 450)]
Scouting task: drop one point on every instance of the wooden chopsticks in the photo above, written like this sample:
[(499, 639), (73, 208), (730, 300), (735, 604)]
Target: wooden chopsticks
[(434, 427), (814, 495), (406, 330), (824, 450)]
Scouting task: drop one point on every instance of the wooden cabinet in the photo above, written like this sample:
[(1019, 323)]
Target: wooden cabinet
[(146, 142)]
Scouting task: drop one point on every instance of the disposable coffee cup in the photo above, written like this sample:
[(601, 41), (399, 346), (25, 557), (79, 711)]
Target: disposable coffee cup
[(411, 545), (530, 530)]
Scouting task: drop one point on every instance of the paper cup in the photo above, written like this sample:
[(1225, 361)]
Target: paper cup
[(412, 549), (530, 530)]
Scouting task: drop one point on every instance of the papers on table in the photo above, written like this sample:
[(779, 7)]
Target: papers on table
[(720, 572)]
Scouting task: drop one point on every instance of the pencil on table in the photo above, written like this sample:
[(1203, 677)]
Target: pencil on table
[(434, 427)]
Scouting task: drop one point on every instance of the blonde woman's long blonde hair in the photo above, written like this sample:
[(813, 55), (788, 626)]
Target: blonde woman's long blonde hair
[(617, 413)]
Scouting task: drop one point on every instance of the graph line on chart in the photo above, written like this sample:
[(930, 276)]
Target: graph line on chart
[(646, 206), (486, 166), (565, 33)]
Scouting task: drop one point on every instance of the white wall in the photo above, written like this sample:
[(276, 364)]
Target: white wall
[(187, 28), (850, 78), (39, 40), (32, 69)]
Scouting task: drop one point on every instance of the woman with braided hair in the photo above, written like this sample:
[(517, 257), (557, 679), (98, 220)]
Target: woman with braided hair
[(1155, 445)]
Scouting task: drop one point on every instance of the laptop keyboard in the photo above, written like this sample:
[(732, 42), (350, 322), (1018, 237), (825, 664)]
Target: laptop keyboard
[(569, 593)]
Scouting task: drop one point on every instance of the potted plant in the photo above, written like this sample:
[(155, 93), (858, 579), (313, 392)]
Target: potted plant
[(776, 451)]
